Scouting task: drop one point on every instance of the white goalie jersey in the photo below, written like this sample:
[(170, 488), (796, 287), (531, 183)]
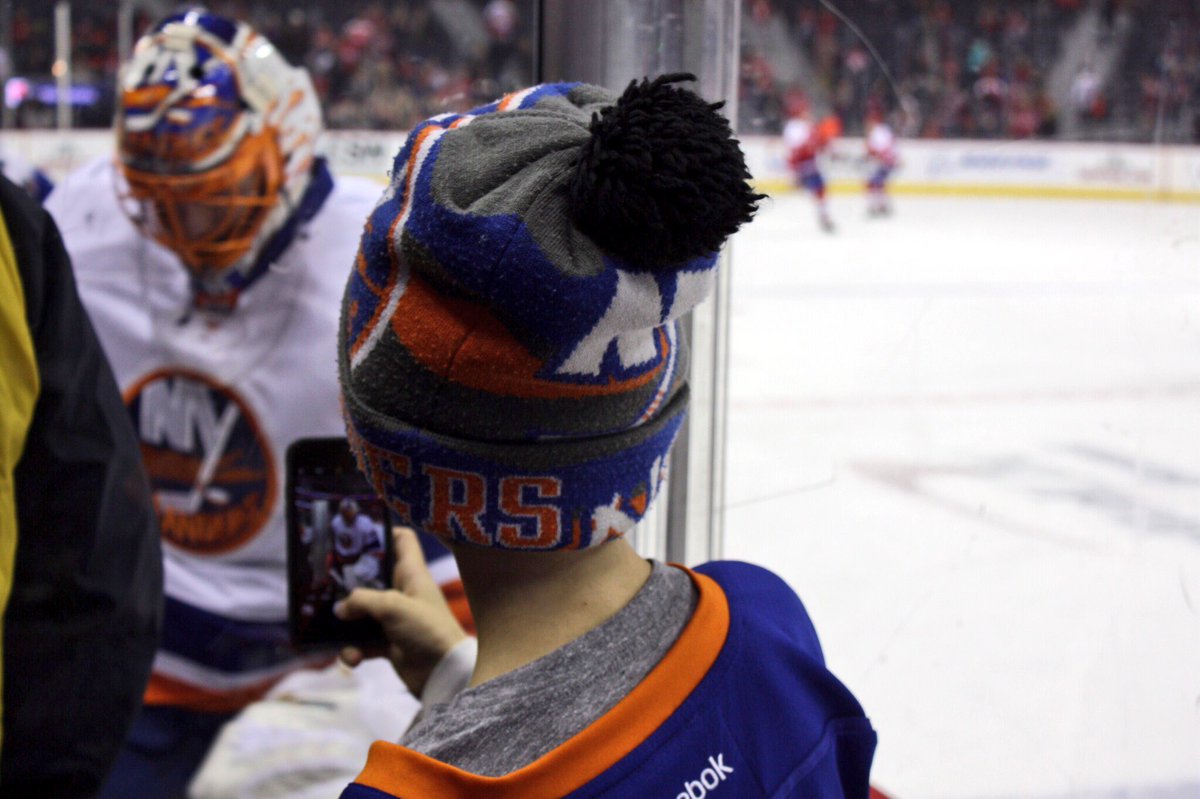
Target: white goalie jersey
[(216, 401)]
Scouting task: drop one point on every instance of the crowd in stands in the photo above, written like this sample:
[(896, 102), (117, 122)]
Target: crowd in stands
[(390, 65), (975, 68), (1160, 95), (960, 69), (374, 64), (968, 68)]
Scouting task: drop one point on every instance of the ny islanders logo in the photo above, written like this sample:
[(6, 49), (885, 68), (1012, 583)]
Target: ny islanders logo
[(209, 464)]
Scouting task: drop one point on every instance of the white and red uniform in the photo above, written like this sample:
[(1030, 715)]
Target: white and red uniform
[(805, 141), (804, 145)]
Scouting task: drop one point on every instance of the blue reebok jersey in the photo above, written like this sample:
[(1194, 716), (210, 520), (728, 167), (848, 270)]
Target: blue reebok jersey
[(741, 706)]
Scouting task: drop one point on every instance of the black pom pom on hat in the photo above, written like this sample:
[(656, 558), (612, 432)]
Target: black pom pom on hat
[(662, 179)]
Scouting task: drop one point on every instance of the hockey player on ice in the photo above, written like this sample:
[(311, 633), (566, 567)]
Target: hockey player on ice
[(805, 141), (882, 161)]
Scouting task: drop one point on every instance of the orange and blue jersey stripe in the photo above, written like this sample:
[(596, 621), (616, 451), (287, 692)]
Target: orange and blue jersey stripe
[(741, 702)]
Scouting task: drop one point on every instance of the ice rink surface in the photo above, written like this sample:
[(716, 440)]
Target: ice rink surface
[(969, 436)]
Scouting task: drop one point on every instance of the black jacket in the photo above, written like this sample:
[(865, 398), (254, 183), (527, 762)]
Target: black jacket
[(82, 622)]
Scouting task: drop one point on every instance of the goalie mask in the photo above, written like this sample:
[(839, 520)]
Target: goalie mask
[(216, 135)]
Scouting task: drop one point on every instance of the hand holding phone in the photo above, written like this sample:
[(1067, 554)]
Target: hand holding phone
[(416, 619), (339, 539)]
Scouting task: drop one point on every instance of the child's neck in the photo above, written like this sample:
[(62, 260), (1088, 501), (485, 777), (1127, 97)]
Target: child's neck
[(526, 605)]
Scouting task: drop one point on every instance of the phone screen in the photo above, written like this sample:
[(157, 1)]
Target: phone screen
[(339, 539)]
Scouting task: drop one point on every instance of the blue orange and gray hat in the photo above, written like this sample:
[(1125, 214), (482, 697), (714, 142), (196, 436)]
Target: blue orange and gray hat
[(512, 366)]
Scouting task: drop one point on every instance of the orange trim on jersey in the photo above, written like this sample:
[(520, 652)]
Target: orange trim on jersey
[(463, 341), (163, 690), (407, 774)]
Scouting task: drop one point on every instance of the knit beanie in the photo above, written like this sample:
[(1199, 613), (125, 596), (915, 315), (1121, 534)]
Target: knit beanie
[(511, 364)]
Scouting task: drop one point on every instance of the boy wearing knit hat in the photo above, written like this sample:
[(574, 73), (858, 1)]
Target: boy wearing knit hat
[(513, 377)]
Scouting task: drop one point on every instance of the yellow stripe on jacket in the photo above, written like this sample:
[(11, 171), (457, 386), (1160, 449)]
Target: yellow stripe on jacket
[(18, 393)]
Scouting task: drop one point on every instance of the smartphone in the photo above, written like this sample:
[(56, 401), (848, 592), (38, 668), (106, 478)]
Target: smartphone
[(338, 538)]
